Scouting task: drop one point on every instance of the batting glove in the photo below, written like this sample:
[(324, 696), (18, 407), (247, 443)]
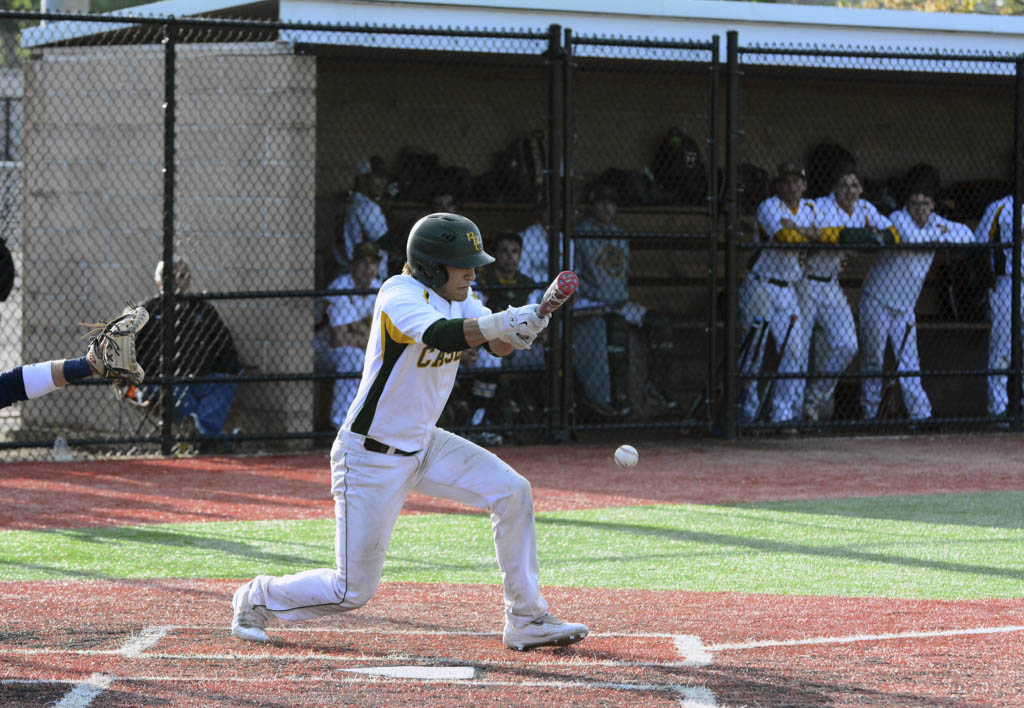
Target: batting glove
[(518, 341), (521, 320), (526, 320)]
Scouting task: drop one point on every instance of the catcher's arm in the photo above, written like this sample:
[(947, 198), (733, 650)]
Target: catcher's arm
[(112, 349)]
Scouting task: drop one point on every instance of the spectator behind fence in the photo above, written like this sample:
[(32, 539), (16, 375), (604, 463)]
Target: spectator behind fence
[(996, 226), (364, 214), (536, 246), (203, 347), (843, 218), (502, 285), (601, 350), (767, 296), (441, 200), (892, 288), (341, 341)]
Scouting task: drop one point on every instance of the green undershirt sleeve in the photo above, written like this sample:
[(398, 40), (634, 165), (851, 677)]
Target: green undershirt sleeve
[(446, 335)]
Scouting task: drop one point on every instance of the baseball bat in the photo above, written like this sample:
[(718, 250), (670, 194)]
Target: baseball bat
[(770, 388), (748, 338), (890, 383), (756, 333), (561, 288)]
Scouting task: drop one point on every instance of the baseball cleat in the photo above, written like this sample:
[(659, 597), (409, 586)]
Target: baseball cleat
[(249, 621), (544, 631)]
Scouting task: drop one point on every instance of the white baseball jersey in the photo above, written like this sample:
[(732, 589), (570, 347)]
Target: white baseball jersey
[(406, 383), (779, 263), (345, 309), (896, 278), (996, 225), (828, 263)]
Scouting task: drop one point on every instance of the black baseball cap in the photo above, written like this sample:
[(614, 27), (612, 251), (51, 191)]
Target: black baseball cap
[(792, 168)]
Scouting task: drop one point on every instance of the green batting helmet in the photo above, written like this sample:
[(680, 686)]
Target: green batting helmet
[(444, 239)]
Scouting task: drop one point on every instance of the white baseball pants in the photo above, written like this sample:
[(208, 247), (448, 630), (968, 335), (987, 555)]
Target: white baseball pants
[(825, 305), (369, 490), (774, 305), (880, 323), (1000, 308)]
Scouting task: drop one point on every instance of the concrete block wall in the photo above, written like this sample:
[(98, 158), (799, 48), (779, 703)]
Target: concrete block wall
[(246, 125)]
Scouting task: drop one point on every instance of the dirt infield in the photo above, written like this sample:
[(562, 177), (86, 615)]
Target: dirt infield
[(647, 649), (107, 493)]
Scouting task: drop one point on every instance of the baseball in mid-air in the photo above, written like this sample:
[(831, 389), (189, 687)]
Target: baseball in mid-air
[(626, 456)]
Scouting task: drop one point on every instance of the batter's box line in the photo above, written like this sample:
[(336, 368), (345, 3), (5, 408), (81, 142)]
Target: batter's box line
[(267, 654), (854, 638), (670, 688), (424, 632)]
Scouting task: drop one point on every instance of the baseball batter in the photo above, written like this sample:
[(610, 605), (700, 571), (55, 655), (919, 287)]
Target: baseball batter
[(843, 217), (389, 445), (996, 226)]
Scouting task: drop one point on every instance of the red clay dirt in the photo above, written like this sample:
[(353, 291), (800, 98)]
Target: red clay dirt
[(122, 492)]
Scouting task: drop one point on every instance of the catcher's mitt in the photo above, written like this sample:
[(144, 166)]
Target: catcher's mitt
[(112, 349)]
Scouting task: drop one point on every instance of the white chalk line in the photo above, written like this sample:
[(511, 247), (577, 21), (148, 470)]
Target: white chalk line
[(147, 638), (343, 659), (850, 639), (684, 691), (425, 632), (85, 692)]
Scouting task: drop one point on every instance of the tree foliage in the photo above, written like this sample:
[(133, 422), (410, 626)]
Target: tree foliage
[(988, 7)]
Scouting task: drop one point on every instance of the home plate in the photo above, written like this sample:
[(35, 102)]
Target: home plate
[(423, 673)]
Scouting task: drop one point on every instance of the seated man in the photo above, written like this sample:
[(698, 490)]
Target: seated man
[(203, 348), (364, 216), (602, 264), (341, 343), (502, 285)]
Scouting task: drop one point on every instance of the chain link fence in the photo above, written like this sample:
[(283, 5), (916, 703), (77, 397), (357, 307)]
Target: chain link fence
[(863, 297), (280, 167)]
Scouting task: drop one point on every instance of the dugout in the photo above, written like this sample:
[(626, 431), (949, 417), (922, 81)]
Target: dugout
[(272, 122)]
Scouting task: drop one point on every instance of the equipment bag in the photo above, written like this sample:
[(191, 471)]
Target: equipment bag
[(679, 169)]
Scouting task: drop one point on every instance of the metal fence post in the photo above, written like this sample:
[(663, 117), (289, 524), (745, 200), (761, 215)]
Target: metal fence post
[(728, 415), (556, 421), (565, 227), (713, 206), (167, 302), (1014, 378)]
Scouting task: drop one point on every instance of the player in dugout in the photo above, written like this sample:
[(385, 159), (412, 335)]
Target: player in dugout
[(111, 354), (389, 445)]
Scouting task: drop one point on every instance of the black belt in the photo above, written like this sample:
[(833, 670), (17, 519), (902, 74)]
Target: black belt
[(374, 446), (771, 281), (818, 278)]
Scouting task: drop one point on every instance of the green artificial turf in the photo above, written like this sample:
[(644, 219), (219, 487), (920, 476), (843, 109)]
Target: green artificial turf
[(946, 546)]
